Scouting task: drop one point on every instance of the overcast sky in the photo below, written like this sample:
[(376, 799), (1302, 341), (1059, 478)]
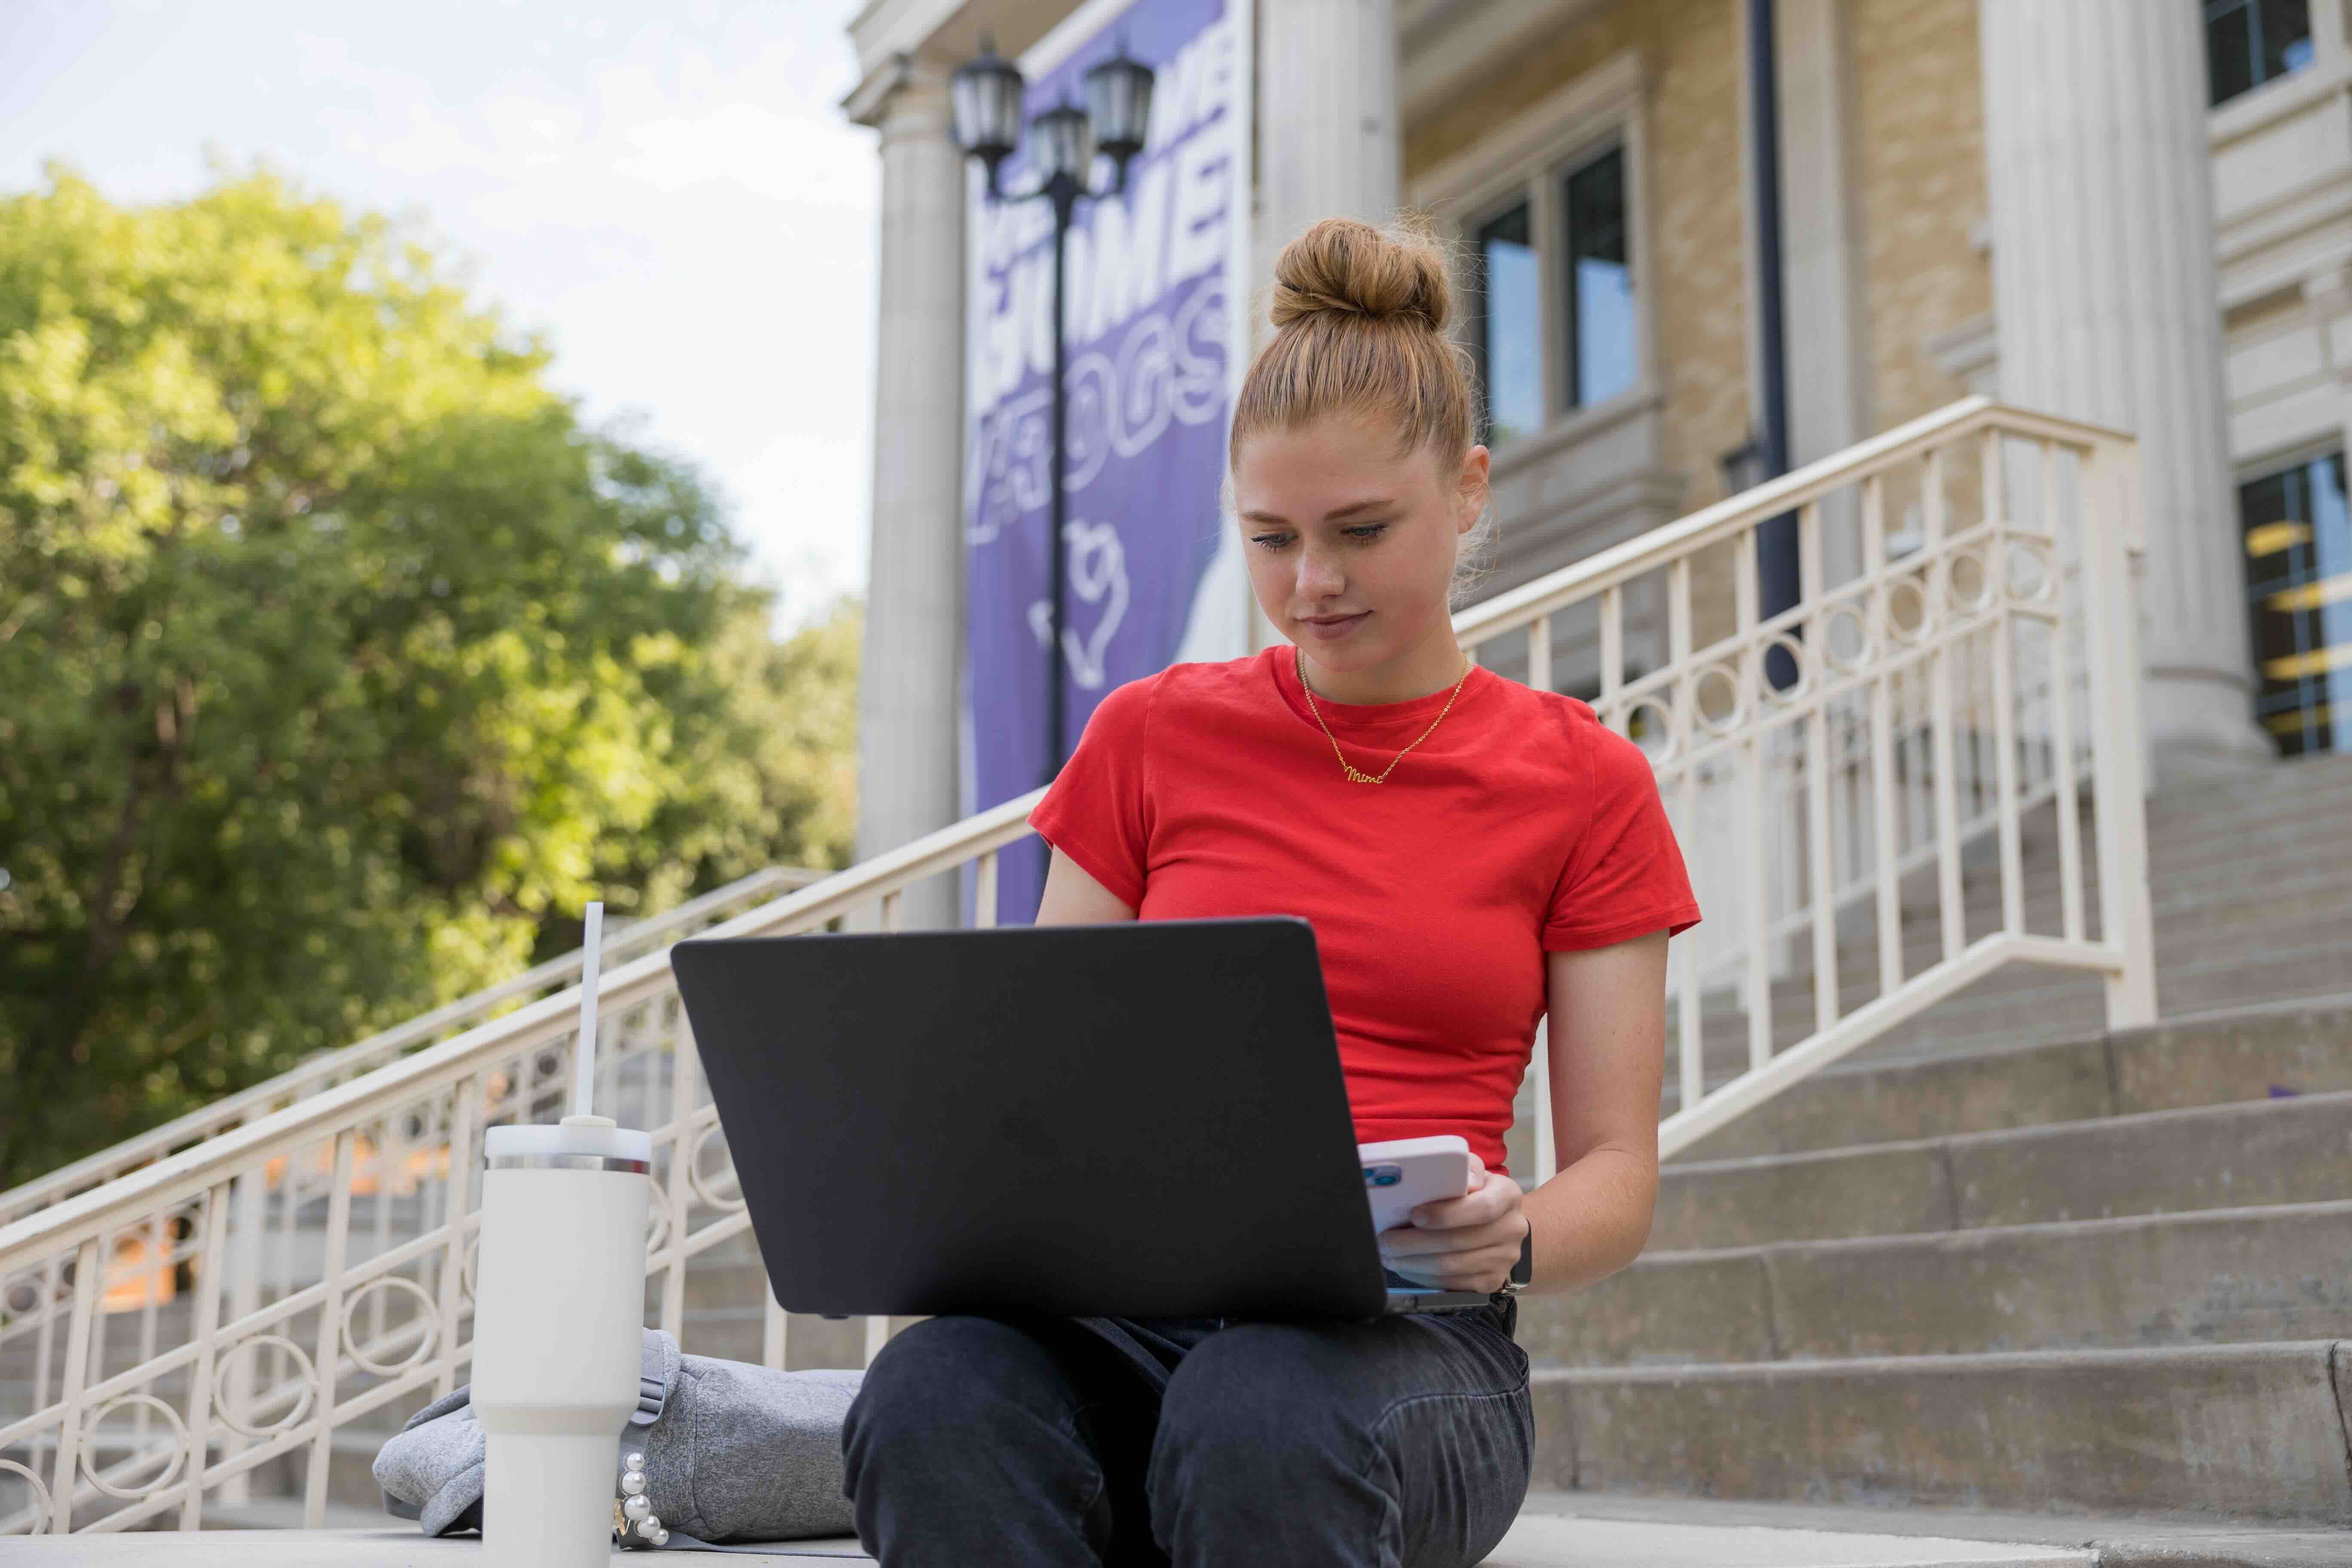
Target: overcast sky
[(667, 188)]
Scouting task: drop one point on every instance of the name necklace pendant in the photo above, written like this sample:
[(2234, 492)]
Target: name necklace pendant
[(1355, 774)]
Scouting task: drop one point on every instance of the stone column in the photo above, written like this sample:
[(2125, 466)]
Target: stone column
[(906, 699), (2104, 284), (1328, 136), (1326, 116)]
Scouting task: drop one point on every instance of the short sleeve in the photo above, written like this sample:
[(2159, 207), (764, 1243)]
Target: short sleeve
[(1098, 810), (1624, 877)]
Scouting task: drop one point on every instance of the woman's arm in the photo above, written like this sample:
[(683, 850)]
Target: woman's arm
[(1608, 1038), (1608, 1009), (1072, 898)]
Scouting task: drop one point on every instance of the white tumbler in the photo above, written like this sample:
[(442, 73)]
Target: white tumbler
[(559, 1315)]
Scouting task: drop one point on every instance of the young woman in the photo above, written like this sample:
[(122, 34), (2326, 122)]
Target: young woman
[(1472, 855)]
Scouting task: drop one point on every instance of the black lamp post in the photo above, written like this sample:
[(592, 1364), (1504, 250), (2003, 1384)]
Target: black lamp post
[(985, 95)]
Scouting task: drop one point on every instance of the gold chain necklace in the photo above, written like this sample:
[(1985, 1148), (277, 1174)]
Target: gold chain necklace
[(1355, 773)]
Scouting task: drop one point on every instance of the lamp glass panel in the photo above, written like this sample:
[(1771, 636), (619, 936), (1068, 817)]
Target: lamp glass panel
[(986, 97), (1118, 102), (1065, 142)]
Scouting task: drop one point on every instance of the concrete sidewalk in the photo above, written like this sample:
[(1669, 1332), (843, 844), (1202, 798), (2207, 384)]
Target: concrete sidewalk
[(1556, 1530), (1539, 1541)]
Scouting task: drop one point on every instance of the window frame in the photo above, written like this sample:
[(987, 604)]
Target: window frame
[(2335, 445), (1527, 161), (1569, 335), (1475, 318), (2205, 17)]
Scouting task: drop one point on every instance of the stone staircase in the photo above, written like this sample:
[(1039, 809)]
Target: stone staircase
[(1999, 1260), (2005, 1260)]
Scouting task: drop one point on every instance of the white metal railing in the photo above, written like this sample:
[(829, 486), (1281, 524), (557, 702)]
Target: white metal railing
[(240, 1302), (1943, 691), (622, 941)]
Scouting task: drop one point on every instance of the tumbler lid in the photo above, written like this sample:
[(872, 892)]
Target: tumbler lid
[(586, 1137)]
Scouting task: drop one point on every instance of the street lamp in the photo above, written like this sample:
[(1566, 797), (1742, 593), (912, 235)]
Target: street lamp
[(985, 96)]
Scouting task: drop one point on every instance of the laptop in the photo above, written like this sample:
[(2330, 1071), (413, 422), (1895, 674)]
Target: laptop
[(1143, 1119)]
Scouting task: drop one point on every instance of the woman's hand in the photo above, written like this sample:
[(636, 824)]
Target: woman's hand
[(1469, 1243)]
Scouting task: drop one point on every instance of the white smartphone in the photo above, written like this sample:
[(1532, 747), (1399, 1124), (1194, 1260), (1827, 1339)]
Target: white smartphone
[(1402, 1174)]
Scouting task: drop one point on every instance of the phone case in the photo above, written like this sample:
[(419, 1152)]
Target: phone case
[(1401, 1173)]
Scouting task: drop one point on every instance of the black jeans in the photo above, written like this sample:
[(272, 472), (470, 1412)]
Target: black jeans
[(1401, 1443)]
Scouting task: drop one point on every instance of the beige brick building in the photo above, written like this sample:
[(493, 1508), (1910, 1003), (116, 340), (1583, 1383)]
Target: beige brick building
[(2138, 212)]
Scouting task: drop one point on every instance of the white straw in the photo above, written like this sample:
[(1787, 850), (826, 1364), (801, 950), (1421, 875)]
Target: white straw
[(583, 1058)]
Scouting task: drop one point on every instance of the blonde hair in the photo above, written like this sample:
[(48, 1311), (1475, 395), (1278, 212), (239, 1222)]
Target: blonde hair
[(1360, 316)]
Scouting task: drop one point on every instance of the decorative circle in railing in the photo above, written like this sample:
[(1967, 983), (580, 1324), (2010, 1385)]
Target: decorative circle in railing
[(301, 1407), (430, 1317), (469, 1259), (726, 1203), (1923, 617), (41, 1495), (2037, 583), (1656, 737), (1845, 633), (1968, 580), (1804, 666), (179, 1450), (1733, 711)]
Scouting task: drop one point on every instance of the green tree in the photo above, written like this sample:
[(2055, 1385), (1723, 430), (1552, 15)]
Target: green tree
[(340, 662)]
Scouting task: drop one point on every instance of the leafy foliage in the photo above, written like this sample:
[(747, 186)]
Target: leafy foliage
[(339, 663)]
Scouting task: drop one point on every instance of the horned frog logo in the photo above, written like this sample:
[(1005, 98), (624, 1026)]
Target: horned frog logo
[(1098, 575)]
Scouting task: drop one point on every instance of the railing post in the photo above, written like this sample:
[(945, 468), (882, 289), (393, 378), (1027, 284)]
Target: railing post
[(87, 1288), (206, 1332), (678, 1197), (775, 1327), (250, 1206), (2111, 549), (331, 1332), (465, 1110)]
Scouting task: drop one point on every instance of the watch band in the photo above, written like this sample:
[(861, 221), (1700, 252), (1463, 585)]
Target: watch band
[(1523, 1272)]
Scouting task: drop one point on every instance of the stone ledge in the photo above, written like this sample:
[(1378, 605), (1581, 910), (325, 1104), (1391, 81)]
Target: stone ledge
[(2117, 1540), (2248, 1432)]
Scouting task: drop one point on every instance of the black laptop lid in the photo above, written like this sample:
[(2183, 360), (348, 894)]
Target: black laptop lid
[(1144, 1118)]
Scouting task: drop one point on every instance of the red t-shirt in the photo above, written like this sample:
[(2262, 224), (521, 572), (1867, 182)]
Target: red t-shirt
[(1522, 826)]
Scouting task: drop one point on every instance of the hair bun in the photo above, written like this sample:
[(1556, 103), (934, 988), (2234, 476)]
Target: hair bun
[(1344, 267)]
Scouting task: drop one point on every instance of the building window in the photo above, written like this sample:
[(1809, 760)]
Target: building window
[(2250, 42), (1601, 333), (1586, 263), (1510, 327), (2299, 586)]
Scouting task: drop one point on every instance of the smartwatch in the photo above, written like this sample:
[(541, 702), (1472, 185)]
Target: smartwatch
[(1523, 1272)]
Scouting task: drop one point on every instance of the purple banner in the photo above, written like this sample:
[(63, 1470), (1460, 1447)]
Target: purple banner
[(1149, 326)]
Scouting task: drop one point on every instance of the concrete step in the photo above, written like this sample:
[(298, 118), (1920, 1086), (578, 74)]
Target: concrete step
[(2286, 1150), (2238, 1055), (2025, 1004), (2226, 1276), (2071, 1005), (2250, 1432), (2115, 1540), (2016, 1004), (2210, 845)]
